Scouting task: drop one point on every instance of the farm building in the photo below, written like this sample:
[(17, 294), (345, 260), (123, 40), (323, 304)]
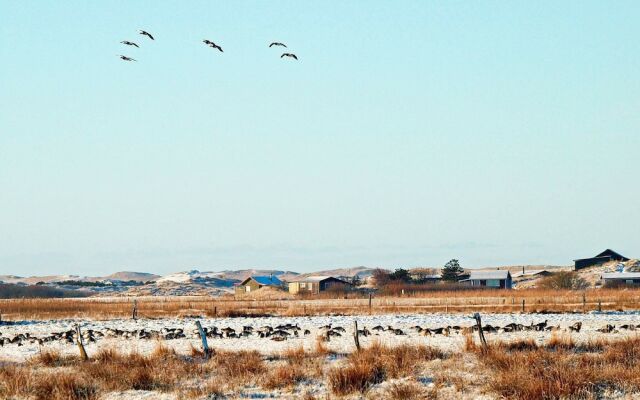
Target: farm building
[(602, 258), (492, 279), (625, 278), (253, 283), (317, 284)]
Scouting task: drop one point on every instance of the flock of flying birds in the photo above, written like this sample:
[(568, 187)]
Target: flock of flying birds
[(205, 41)]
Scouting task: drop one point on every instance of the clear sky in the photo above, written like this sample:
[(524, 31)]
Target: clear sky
[(408, 133)]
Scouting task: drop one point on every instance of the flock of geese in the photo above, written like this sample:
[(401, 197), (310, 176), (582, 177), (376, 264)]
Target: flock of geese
[(285, 331), (207, 42)]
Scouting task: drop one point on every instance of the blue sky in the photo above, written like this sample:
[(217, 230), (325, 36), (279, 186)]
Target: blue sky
[(407, 134)]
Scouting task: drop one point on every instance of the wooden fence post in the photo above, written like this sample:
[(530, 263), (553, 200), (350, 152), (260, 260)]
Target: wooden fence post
[(215, 311), (522, 305), (483, 341), (584, 303), (203, 337), (83, 352), (356, 334), (134, 312), (599, 305), (369, 302)]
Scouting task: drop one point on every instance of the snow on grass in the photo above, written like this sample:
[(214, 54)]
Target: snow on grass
[(344, 344)]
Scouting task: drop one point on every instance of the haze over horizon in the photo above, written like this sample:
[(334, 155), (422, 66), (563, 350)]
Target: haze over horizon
[(407, 134)]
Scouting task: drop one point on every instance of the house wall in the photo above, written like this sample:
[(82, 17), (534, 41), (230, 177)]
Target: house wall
[(494, 283), (622, 280), (294, 287), (315, 287), (332, 284), (253, 285)]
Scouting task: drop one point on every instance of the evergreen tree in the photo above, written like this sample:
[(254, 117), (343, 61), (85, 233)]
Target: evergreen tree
[(400, 274), (452, 271)]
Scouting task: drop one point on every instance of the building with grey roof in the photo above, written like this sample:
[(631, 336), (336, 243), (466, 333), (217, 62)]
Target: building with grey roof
[(490, 279)]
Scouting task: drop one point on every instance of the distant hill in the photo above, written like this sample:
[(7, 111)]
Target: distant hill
[(361, 272), (211, 279), (243, 274), (32, 280), (126, 276)]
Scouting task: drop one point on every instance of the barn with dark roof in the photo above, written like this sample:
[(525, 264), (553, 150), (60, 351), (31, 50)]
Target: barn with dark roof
[(602, 258)]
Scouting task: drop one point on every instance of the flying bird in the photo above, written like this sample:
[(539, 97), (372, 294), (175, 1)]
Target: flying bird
[(277, 44), (212, 45), (127, 58), (289, 55), (146, 34), (128, 43)]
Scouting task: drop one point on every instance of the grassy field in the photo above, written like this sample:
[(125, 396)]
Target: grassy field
[(535, 300)]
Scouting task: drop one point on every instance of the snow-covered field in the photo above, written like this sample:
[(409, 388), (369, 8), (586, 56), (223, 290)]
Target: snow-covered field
[(38, 329)]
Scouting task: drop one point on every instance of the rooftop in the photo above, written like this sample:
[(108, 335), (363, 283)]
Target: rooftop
[(315, 278), (267, 280), (621, 275), (484, 275)]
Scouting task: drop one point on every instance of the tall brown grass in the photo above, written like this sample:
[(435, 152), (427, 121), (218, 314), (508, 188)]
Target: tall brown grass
[(429, 301), (536, 300), (562, 369), (405, 391), (377, 363)]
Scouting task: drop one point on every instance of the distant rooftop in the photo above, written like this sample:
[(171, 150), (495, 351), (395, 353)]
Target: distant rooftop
[(315, 278), (267, 280), (529, 273), (484, 275), (621, 275)]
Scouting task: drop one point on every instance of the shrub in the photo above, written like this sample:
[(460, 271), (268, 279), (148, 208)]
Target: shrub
[(564, 280)]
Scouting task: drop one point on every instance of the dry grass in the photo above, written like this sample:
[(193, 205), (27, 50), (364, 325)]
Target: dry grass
[(237, 368), (559, 368), (299, 366), (562, 369), (536, 300), (404, 391), (51, 358), (377, 363)]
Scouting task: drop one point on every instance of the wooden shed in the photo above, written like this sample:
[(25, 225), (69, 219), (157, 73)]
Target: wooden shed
[(253, 283), (602, 258), (317, 284)]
